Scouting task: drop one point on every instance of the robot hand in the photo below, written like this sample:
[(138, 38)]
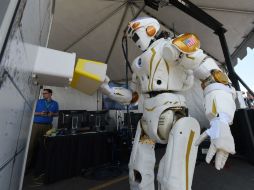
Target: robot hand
[(222, 141), (119, 94)]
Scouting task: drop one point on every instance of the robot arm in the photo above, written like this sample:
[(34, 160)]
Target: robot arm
[(218, 93), (120, 94), (220, 108)]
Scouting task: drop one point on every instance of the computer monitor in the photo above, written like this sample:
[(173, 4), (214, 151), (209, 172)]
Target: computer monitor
[(97, 120), (71, 119)]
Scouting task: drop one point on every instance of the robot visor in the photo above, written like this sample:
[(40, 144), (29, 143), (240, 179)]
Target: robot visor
[(135, 37)]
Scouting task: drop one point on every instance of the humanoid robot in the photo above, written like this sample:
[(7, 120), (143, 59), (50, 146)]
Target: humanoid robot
[(164, 69)]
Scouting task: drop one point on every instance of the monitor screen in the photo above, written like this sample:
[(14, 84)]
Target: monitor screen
[(72, 119)]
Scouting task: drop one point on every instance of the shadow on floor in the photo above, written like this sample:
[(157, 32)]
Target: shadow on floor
[(237, 175)]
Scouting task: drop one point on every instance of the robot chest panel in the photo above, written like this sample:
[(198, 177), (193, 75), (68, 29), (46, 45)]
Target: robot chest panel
[(151, 70)]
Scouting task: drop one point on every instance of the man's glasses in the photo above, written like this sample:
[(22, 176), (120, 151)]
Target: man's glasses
[(45, 93)]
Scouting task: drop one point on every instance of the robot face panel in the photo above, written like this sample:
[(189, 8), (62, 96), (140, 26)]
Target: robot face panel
[(135, 37), (142, 31)]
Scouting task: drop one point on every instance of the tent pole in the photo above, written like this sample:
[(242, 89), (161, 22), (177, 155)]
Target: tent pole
[(228, 60), (95, 26), (117, 33)]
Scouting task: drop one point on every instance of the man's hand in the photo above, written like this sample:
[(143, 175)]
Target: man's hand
[(44, 113), (50, 114), (222, 142)]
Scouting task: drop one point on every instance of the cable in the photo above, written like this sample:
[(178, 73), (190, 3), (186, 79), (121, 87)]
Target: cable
[(125, 52)]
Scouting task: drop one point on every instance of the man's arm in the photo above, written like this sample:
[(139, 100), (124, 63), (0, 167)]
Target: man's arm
[(43, 113)]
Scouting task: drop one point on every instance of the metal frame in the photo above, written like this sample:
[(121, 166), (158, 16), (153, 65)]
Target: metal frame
[(96, 25), (128, 5), (200, 15), (197, 13), (117, 33), (3, 47), (166, 25), (185, 6)]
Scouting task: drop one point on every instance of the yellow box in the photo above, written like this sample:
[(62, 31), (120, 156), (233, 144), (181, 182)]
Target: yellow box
[(88, 75)]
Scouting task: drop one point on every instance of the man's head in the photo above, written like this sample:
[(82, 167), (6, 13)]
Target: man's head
[(142, 31), (47, 93)]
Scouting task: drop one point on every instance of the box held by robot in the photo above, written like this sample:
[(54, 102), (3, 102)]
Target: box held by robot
[(88, 75)]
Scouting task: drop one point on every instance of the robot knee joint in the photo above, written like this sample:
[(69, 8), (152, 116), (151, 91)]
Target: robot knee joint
[(141, 180), (137, 176)]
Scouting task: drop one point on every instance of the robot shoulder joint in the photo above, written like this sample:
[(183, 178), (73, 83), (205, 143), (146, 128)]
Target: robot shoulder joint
[(187, 43)]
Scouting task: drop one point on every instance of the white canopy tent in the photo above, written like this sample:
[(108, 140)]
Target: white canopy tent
[(94, 29)]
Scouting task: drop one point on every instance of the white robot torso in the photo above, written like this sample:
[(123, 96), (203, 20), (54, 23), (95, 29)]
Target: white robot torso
[(154, 73)]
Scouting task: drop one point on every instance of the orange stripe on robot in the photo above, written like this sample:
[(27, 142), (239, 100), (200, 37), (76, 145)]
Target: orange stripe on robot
[(189, 57), (214, 110), (167, 65), (150, 109), (151, 63), (166, 102), (191, 137)]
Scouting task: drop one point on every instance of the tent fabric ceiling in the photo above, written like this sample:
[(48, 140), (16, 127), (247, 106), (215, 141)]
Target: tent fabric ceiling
[(94, 28)]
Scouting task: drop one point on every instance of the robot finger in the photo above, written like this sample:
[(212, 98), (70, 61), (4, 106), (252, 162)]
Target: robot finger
[(220, 160), (202, 137), (225, 157), (211, 152)]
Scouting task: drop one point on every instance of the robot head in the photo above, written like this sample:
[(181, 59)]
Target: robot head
[(142, 31)]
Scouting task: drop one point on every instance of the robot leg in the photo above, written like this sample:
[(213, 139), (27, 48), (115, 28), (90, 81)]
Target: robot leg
[(177, 165), (142, 161)]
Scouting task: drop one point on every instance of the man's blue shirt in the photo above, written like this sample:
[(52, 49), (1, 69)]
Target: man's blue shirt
[(47, 106)]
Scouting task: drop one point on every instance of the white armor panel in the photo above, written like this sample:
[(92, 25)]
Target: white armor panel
[(142, 31), (165, 124), (177, 165), (204, 69), (134, 84), (193, 60), (154, 107), (141, 165), (155, 74), (119, 94), (219, 99)]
